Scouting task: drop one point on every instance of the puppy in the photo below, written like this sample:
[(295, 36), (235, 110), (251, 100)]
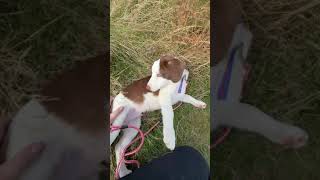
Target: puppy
[(164, 88), (70, 117), (232, 36)]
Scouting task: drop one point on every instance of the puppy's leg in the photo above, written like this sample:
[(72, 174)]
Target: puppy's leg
[(118, 122), (197, 103), (169, 137), (127, 137), (247, 117)]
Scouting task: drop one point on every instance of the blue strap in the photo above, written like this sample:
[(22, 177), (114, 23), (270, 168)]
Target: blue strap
[(181, 83)]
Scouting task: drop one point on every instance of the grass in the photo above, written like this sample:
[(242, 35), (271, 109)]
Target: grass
[(143, 30), (284, 83), (39, 39)]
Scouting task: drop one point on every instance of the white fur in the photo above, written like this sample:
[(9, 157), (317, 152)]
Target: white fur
[(34, 124), (155, 83), (167, 97)]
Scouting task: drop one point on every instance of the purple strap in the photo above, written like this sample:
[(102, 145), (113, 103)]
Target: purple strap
[(181, 83), (224, 86)]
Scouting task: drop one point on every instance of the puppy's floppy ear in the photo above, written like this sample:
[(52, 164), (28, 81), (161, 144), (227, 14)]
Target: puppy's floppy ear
[(171, 67), (167, 63)]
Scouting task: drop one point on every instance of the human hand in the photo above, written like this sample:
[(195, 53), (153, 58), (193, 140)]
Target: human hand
[(114, 114), (13, 168), (132, 113)]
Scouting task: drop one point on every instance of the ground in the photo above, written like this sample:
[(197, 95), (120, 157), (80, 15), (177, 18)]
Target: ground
[(284, 83), (141, 31)]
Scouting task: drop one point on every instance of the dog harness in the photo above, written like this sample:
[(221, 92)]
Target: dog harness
[(183, 85), (224, 86)]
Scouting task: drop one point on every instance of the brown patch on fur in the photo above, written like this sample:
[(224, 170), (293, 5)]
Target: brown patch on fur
[(228, 15), (137, 89), (80, 95), (171, 68)]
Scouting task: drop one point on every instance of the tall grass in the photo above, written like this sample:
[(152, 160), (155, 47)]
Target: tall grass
[(141, 31), (39, 39)]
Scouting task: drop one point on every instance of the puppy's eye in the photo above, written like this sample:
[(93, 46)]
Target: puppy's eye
[(159, 75)]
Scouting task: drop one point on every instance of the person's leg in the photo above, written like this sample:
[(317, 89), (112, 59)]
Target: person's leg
[(184, 163)]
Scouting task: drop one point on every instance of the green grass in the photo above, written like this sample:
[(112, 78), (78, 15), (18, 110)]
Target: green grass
[(284, 83), (141, 31)]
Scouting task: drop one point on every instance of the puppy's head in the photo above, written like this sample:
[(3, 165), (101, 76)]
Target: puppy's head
[(166, 70)]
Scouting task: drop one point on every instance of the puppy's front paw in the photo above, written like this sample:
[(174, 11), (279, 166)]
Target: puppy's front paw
[(169, 139), (294, 138), (200, 104)]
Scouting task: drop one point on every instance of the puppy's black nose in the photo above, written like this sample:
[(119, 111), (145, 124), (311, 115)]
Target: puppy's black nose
[(148, 87)]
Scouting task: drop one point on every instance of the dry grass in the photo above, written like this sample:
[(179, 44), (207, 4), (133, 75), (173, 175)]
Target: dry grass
[(143, 30), (139, 34), (38, 40)]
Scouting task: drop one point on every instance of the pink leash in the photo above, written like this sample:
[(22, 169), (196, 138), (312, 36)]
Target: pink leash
[(221, 138), (123, 153)]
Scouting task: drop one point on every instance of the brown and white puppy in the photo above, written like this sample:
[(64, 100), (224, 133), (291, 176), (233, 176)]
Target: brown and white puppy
[(229, 34), (74, 119), (164, 88)]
